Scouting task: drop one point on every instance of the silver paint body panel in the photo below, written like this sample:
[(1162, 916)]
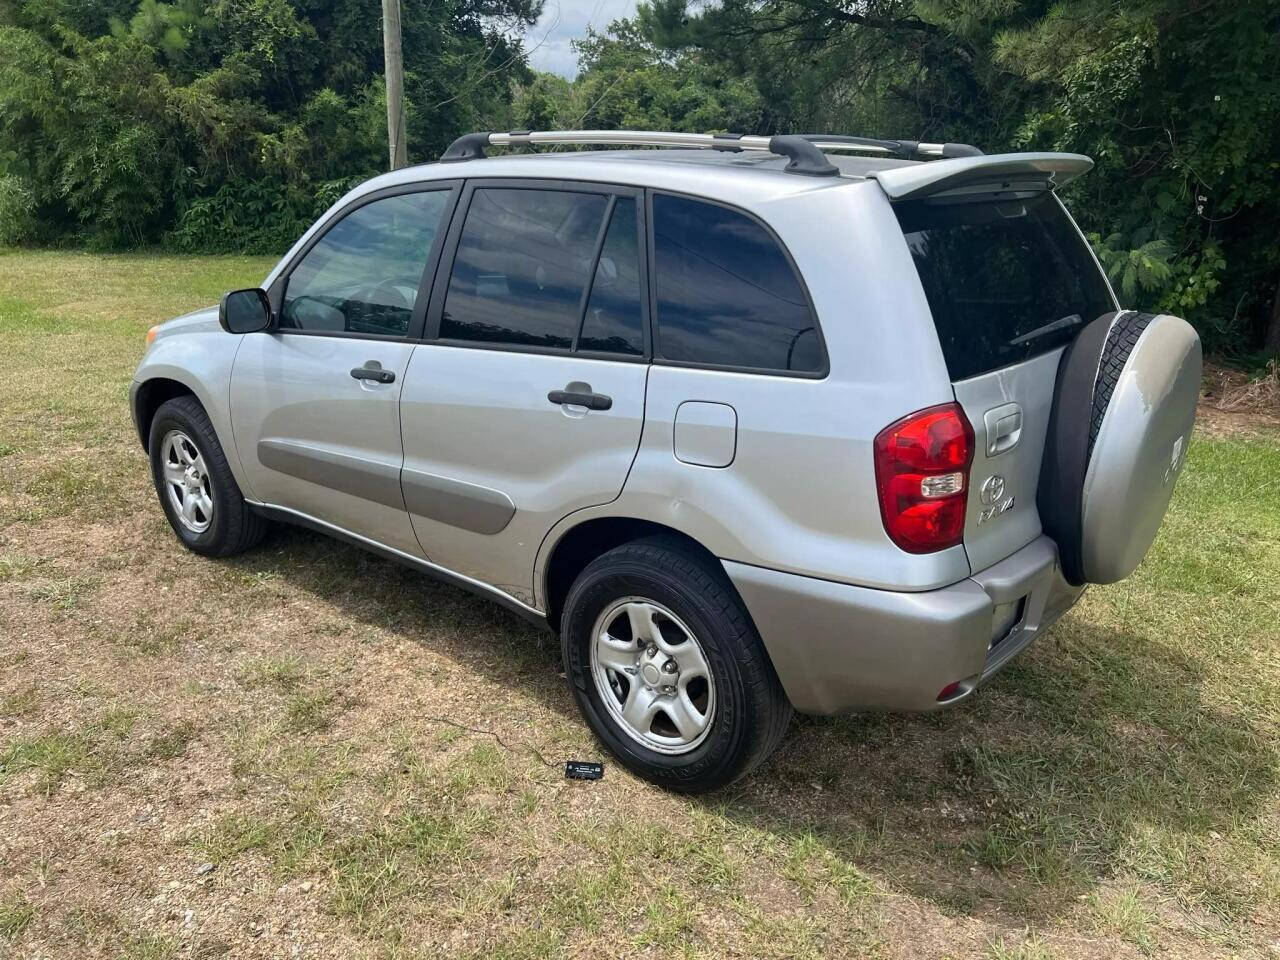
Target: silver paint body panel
[(994, 530), (482, 418), (195, 351), (314, 439)]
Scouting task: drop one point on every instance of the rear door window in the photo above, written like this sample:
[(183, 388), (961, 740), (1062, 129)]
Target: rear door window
[(1005, 281), (614, 320), (727, 294), (524, 260)]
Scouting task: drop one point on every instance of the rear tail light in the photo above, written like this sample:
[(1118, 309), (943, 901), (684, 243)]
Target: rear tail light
[(922, 473)]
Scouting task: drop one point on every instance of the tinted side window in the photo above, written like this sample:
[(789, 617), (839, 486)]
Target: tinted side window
[(522, 266), (363, 274), (727, 295), (614, 322)]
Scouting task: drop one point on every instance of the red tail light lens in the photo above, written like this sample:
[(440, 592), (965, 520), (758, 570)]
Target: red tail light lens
[(922, 472)]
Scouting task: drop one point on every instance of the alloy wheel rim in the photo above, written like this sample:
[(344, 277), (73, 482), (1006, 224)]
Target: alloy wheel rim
[(652, 675), (186, 481)]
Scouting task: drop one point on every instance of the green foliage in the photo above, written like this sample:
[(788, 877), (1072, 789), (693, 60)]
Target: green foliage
[(1144, 268), (228, 124), (224, 124), (17, 211), (253, 214), (625, 82)]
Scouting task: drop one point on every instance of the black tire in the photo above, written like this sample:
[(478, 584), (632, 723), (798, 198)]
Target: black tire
[(233, 526), (751, 711), (1079, 403)]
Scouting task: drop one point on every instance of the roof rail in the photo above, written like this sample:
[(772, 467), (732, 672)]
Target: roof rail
[(804, 150), (805, 157), (906, 149)]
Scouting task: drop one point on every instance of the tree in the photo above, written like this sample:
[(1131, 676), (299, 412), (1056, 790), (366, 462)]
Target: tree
[(1178, 101), (229, 123), (625, 82)]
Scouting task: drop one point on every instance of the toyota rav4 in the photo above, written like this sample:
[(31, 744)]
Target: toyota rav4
[(752, 426)]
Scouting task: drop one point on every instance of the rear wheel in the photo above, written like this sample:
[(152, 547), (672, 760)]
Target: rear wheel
[(667, 668), (195, 485)]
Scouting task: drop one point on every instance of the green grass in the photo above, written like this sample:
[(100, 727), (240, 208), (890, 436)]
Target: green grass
[(312, 719), (1126, 915), (51, 756), (148, 947), (1028, 949), (16, 914)]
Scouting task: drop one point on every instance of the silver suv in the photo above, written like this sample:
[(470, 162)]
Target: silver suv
[(752, 427)]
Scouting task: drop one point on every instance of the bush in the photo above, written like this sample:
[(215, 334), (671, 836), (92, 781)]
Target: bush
[(254, 216), (17, 211)]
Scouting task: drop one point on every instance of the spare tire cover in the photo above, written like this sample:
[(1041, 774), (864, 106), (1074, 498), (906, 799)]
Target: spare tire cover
[(1123, 409)]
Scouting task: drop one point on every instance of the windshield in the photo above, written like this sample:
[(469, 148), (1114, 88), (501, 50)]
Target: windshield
[(1005, 281)]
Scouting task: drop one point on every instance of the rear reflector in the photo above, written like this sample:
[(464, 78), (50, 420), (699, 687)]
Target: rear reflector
[(949, 691), (922, 473), (958, 689)]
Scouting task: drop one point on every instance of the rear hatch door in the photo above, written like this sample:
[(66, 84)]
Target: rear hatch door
[(1010, 282)]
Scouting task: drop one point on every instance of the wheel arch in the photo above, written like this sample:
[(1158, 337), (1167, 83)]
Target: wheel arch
[(583, 542), (149, 396)]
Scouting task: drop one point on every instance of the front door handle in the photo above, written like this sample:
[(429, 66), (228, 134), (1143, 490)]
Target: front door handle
[(372, 370), (580, 394)]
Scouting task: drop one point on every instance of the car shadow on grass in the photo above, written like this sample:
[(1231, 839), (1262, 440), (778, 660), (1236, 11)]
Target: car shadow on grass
[(1094, 755)]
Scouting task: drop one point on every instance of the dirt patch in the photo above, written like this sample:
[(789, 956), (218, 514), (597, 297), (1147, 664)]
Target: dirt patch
[(1233, 402)]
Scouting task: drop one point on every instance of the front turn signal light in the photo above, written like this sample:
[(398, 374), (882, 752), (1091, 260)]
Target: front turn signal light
[(151, 334)]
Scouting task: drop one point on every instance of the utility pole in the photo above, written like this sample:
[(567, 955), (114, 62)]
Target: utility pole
[(393, 56)]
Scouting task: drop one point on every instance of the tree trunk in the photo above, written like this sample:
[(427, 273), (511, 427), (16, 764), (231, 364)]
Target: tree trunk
[(1271, 342), (393, 56)]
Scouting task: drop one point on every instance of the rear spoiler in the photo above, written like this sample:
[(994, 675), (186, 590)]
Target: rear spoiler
[(1000, 171)]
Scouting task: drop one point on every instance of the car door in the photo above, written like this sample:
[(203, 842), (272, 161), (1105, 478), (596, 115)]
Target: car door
[(315, 403), (526, 401)]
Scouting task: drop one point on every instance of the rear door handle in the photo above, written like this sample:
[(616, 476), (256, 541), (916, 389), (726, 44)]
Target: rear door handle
[(581, 395), (1004, 428), (372, 370)]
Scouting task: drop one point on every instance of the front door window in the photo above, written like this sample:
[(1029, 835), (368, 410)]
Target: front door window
[(364, 274)]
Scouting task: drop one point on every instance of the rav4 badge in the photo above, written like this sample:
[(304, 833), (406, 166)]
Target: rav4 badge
[(992, 493)]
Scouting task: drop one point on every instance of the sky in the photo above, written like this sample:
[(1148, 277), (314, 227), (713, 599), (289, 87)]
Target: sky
[(563, 21)]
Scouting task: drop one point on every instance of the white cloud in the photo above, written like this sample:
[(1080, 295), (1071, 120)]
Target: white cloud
[(564, 21)]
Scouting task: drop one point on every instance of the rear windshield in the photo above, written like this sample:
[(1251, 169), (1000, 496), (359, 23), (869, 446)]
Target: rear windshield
[(1005, 281)]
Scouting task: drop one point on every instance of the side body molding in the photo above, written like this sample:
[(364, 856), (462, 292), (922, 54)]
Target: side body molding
[(467, 505), (358, 476)]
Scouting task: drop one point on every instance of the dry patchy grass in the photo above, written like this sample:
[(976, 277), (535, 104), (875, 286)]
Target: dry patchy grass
[(307, 751)]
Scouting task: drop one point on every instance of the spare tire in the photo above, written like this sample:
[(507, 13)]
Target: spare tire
[(1123, 409)]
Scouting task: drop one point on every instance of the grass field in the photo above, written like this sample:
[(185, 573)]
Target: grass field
[(307, 751)]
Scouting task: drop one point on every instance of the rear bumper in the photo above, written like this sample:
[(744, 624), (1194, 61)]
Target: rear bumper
[(838, 647)]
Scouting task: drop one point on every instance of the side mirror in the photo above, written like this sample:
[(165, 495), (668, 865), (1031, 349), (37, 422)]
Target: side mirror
[(245, 311)]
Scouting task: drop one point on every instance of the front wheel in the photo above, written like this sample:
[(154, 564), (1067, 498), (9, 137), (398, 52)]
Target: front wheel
[(667, 668), (197, 490)]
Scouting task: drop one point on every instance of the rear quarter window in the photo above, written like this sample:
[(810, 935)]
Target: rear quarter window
[(727, 295), (1005, 281)]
